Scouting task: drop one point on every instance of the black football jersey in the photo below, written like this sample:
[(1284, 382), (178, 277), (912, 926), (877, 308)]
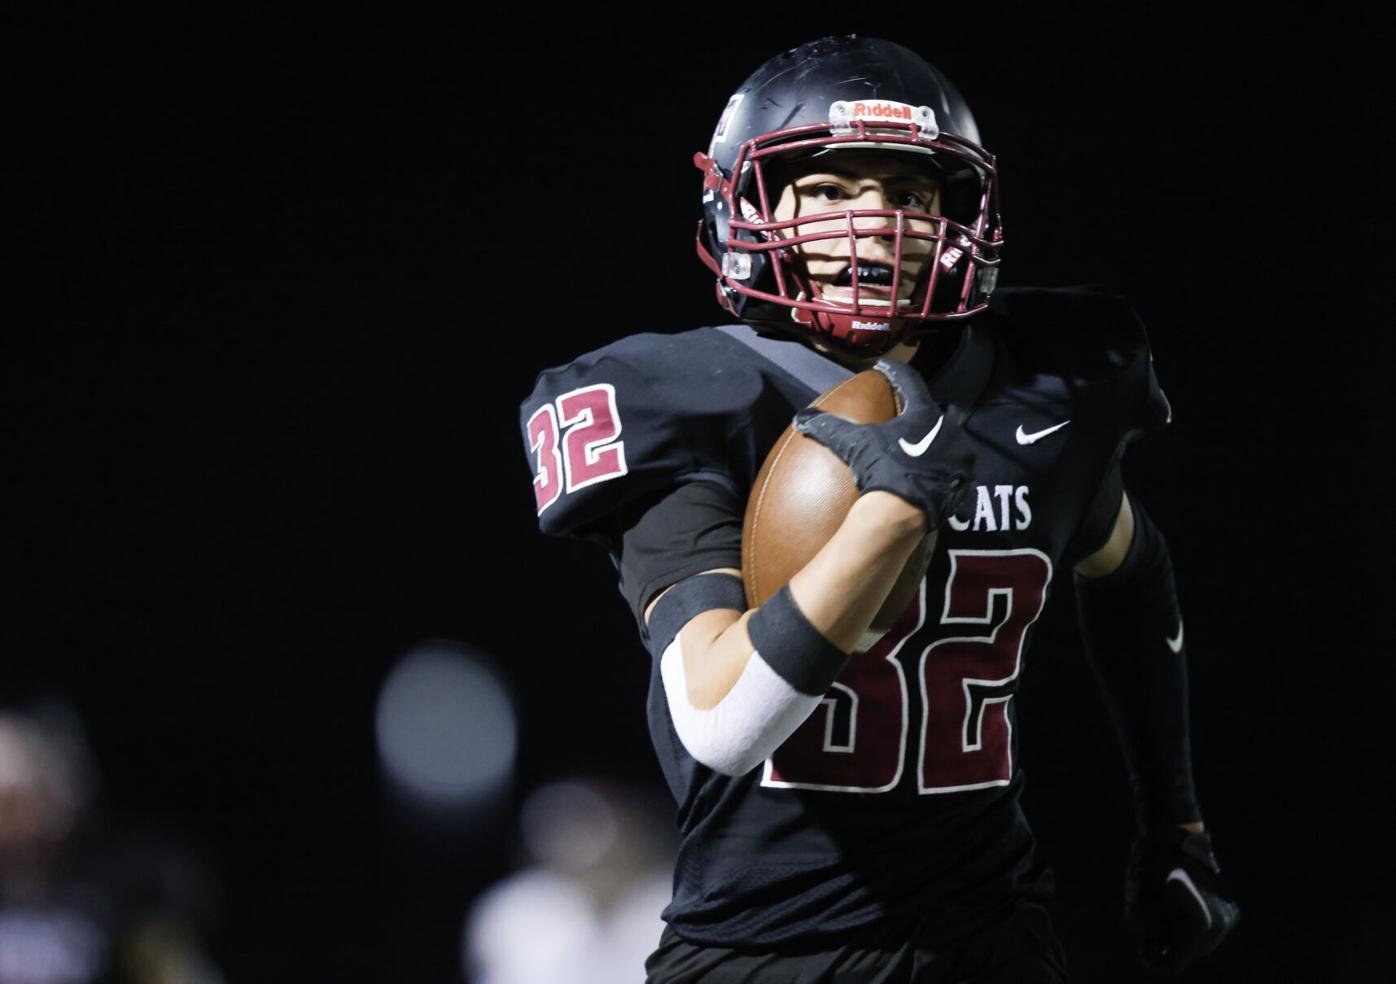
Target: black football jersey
[(896, 802)]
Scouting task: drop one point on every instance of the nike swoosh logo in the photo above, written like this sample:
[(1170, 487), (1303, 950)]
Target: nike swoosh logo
[(1181, 876), (1026, 438), (919, 448), (1176, 643)]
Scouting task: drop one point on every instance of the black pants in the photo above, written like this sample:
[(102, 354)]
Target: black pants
[(1017, 948)]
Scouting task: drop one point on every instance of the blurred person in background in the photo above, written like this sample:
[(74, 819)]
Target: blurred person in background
[(79, 905), (584, 909)]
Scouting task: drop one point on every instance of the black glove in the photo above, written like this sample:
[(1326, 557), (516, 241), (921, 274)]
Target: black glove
[(917, 455), (1175, 899)]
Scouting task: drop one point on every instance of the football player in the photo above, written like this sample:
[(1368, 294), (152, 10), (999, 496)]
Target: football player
[(848, 800)]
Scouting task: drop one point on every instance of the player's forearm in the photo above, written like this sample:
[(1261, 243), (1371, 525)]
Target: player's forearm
[(1132, 630), (839, 591)]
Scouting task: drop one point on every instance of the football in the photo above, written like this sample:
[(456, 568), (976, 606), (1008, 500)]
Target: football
[(802, 494)]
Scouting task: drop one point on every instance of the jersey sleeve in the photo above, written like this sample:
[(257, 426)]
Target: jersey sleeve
[(1115, 357), (1143, 407), (1089, 340), (613, 431), (697, 527)]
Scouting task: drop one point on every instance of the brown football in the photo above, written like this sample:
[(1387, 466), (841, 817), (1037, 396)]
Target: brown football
[(802, 494)]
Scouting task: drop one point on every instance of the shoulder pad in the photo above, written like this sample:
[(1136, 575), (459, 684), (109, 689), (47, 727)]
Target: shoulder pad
[(631, 420), (1091, 338), (1083, 331)]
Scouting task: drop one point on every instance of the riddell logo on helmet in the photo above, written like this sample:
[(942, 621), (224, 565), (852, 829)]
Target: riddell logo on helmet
[(843, 114), (869, 326), (881, 111)]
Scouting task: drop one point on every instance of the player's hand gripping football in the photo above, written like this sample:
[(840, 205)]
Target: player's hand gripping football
[(917, 455), (1175, 899)]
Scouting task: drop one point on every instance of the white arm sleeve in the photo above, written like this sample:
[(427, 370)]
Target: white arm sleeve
[(746, 726)]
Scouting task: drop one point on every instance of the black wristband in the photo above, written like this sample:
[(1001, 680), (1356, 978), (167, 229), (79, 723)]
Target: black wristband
[(689, 597), (793, 647)]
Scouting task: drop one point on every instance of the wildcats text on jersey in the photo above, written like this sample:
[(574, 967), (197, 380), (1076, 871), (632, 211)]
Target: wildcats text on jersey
[(995, 508)]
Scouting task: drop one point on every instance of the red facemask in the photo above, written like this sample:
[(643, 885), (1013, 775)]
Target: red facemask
[(962, 262)]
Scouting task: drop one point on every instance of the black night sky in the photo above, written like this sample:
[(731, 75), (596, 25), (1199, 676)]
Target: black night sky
[(283, 283)]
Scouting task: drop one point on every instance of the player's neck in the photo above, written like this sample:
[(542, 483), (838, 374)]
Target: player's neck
[(901, 352), (935, 348)]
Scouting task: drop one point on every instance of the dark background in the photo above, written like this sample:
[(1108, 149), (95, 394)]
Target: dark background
[(292, 279)]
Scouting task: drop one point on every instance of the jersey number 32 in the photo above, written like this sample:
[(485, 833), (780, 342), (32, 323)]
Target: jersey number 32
[(590, 449), (966, 673)]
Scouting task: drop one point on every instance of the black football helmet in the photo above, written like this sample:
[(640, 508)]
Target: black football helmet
[(826, 95)]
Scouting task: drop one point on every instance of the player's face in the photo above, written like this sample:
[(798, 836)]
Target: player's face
[(854, 180)]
